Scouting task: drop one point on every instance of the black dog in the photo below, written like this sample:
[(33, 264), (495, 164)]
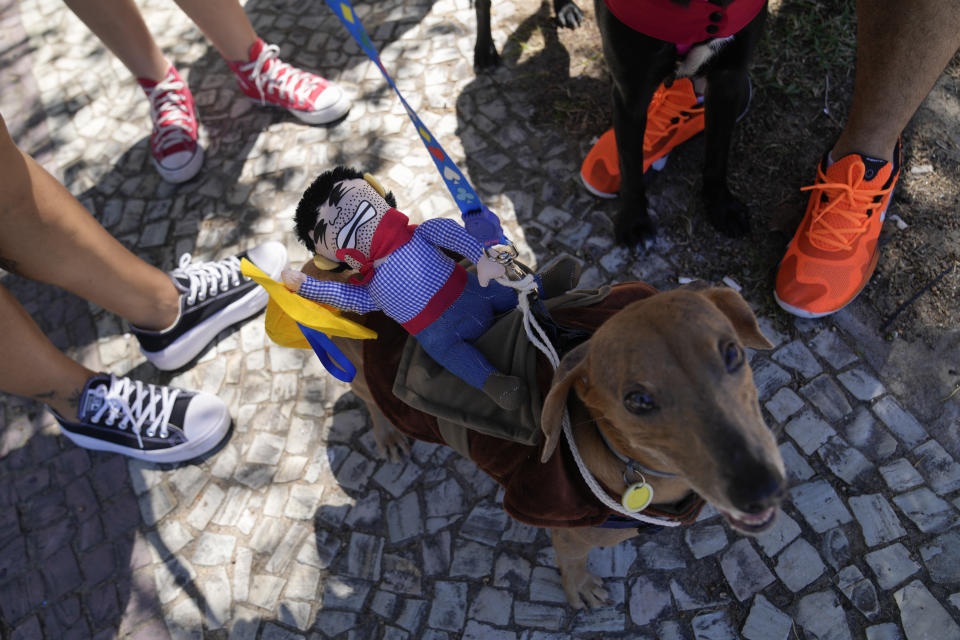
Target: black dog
[(638, 64), (485, 53)]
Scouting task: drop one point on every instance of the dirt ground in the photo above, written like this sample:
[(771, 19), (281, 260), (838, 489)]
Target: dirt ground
[(802, 76)]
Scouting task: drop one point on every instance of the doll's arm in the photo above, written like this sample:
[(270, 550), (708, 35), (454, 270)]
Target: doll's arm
[(347, 297), (447, 233)]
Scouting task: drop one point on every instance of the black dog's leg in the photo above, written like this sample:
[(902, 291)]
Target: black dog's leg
[(568, 13), (637, 63), (485, 53), (727, 96)]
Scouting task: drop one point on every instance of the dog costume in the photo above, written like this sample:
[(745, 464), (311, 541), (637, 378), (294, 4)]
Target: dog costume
[(685, 25), (543, 494)]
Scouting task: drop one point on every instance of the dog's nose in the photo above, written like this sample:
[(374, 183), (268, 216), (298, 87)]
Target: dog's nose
[(756, 486)]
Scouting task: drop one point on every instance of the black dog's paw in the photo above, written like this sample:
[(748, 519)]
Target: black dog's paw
[(635, 231), (728, 215), (568, 13), (485, 56)]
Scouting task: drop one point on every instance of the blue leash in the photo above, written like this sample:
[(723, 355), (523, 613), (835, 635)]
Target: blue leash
[(479, 221)]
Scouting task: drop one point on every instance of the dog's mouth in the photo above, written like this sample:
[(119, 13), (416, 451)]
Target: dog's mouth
[(751, 523)]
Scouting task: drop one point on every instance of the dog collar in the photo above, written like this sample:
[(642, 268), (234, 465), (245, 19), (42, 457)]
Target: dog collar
[(634, 467)]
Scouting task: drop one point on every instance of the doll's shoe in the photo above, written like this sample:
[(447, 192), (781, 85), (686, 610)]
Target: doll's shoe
[(213, 296), (508, 392), (269, 80), (559, 276)]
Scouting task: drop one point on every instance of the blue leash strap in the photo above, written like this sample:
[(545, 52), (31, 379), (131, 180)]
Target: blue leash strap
[(330, 356), (479, 221)]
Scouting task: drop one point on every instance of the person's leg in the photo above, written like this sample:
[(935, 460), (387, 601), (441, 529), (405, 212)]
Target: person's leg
[(102, 412), (32, 367), (47, 235), (174, 141), (901, 51), (225, 24), (902, 48), (260, 72), (119, 25)]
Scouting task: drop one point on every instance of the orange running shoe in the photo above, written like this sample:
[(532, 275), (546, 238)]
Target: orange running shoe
[(835, 249), (674, 115)]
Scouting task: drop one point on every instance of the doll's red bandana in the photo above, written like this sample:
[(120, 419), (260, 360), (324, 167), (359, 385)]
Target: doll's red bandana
[(393, 231)]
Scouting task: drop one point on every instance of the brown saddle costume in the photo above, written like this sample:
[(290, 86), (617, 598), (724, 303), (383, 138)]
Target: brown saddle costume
[(506, 447)]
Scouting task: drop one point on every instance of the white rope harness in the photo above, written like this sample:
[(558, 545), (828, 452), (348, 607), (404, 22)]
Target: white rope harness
[(535, 333)]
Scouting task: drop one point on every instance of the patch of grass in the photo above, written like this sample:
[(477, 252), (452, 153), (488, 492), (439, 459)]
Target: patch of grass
[(805, 42)]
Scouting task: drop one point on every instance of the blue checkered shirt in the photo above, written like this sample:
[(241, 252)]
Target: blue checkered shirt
[(405, 282)]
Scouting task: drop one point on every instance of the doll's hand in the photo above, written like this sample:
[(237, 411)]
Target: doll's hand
[(293, 279), (488, 270)]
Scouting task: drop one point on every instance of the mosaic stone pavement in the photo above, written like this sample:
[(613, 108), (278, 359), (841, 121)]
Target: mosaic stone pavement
[(295, 528)]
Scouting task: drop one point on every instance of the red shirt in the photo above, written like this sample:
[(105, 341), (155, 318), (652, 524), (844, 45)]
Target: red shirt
[(669, 21)]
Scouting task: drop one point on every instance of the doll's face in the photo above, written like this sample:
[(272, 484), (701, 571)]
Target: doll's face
[(348, 218)]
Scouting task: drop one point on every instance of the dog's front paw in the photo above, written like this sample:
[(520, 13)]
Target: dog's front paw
[(485, 56), (633, 230), (729, 215), (585, 589), (391, 444), (569, 14)]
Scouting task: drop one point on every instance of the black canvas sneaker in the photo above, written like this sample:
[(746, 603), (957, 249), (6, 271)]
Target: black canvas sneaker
[(146, 421), (213, 296)]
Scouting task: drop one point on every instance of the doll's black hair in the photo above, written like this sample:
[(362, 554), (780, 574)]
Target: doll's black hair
[(318, 193)]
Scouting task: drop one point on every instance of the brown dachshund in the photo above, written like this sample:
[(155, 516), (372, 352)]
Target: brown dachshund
[(667, 383)]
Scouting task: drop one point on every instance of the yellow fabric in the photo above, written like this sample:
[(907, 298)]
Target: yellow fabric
[(286, 308)]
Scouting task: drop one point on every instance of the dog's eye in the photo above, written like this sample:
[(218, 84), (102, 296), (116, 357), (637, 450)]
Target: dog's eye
[(733, 357), (638, 401)]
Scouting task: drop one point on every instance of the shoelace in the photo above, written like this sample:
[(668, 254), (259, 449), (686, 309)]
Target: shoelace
[(135, 411), (847, 204), (169, 110), (210, 278), (279, 77), (668, 109)]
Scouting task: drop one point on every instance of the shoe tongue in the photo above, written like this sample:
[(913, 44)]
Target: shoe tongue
[(255, 50), (840, 171), (872, 167), (90, 403)]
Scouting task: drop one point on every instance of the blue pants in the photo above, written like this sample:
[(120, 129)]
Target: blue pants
[(448, 339)]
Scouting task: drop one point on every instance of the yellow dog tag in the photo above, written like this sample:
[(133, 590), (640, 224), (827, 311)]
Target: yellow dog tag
[(286, 309), (637, 497)]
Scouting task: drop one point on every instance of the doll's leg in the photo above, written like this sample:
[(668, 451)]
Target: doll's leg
[(455, 355), (448, 341)]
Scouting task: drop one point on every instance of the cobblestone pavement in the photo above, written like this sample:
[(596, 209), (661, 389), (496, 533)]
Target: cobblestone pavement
[(295, 529)]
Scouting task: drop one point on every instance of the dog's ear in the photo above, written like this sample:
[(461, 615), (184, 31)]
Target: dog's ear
[(551, 418), (740, 315)]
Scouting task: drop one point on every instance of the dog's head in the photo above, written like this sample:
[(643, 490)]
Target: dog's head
[(669, 380)]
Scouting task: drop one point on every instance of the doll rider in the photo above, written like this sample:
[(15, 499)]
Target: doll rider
[(345, 217)]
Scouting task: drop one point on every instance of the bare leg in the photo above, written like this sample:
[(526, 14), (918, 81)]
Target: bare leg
[(225, 24), (47, 235), (901, 51), (119, 25), (32, 366)]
